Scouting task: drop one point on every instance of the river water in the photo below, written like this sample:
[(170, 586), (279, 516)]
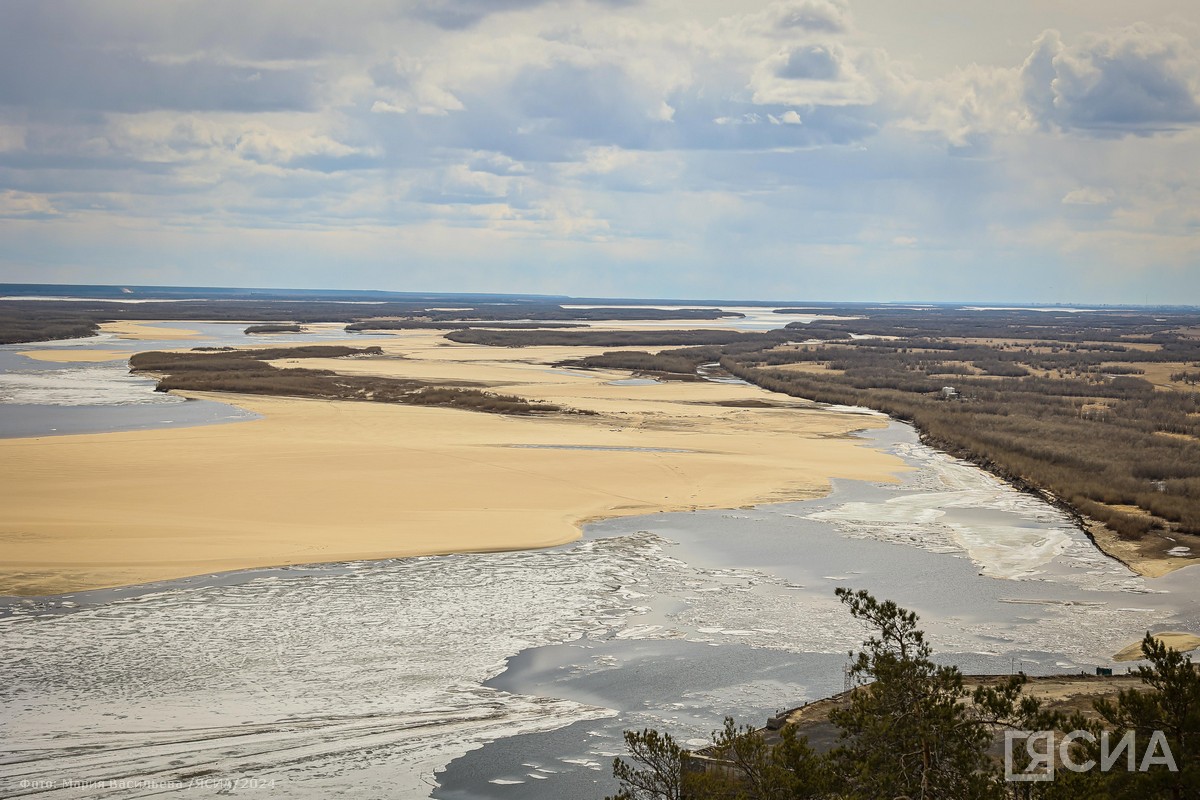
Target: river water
[(55, 398), (512, 675)]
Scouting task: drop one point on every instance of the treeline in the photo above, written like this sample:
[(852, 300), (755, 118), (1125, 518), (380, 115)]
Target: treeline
[(247, 372), (534, 311), (646, 338), (677, 367), (936, 354), (1118, 326), (273, 329), (911, 729), (418, 324), (40, 320), (30, 322)]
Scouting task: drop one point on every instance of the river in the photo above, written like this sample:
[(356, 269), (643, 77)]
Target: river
[(512, 675)]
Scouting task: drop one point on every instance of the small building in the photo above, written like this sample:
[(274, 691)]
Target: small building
[(948, 393)]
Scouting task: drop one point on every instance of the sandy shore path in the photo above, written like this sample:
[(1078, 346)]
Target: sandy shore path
[(316, 481)]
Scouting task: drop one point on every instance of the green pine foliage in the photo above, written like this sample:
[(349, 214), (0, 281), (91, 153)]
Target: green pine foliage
[(912, 731)]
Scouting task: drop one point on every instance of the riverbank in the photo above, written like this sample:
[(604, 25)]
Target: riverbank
[(317, 481), (1183, 642)]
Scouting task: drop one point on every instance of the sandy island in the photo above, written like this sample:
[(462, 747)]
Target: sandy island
[(143, 331), (75, 356), (316, 481), (1179, 641)]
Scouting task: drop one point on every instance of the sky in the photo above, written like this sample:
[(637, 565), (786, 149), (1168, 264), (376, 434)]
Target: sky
[(1028, 151)]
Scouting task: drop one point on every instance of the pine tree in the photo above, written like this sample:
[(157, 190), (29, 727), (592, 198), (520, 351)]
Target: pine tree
[(1171, 706), (911, 732), (661, 774)]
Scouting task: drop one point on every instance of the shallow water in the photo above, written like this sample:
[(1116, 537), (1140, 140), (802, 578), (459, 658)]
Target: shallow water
[(507, 675), (21, 421), (634, 382), (43, 398)]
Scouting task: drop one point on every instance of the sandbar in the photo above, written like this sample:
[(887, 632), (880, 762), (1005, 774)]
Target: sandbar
[(65, 356), (317, 481), (1179, 641), (138, 330)]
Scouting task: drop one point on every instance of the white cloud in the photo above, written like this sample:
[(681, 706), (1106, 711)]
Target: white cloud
[(812, 74), (790, 19), (965, 106), (405, 85), (1138, 80), (1088, 196), (24, 204)]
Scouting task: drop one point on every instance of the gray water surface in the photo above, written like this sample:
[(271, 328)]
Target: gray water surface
[(512, 674), (53, 398)]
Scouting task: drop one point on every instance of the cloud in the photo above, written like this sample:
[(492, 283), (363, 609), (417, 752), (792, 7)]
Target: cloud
[(15, 204), (1088, 196), (1140, 80), (404, 85), (459, 184), (462, 14), (50, 59), (814, 62), (589, 103), (966, 107), (674, 139), (813, 74), (459, 14), (799, 17)]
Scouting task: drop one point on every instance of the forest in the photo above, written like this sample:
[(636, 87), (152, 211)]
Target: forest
[(28, 320)]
